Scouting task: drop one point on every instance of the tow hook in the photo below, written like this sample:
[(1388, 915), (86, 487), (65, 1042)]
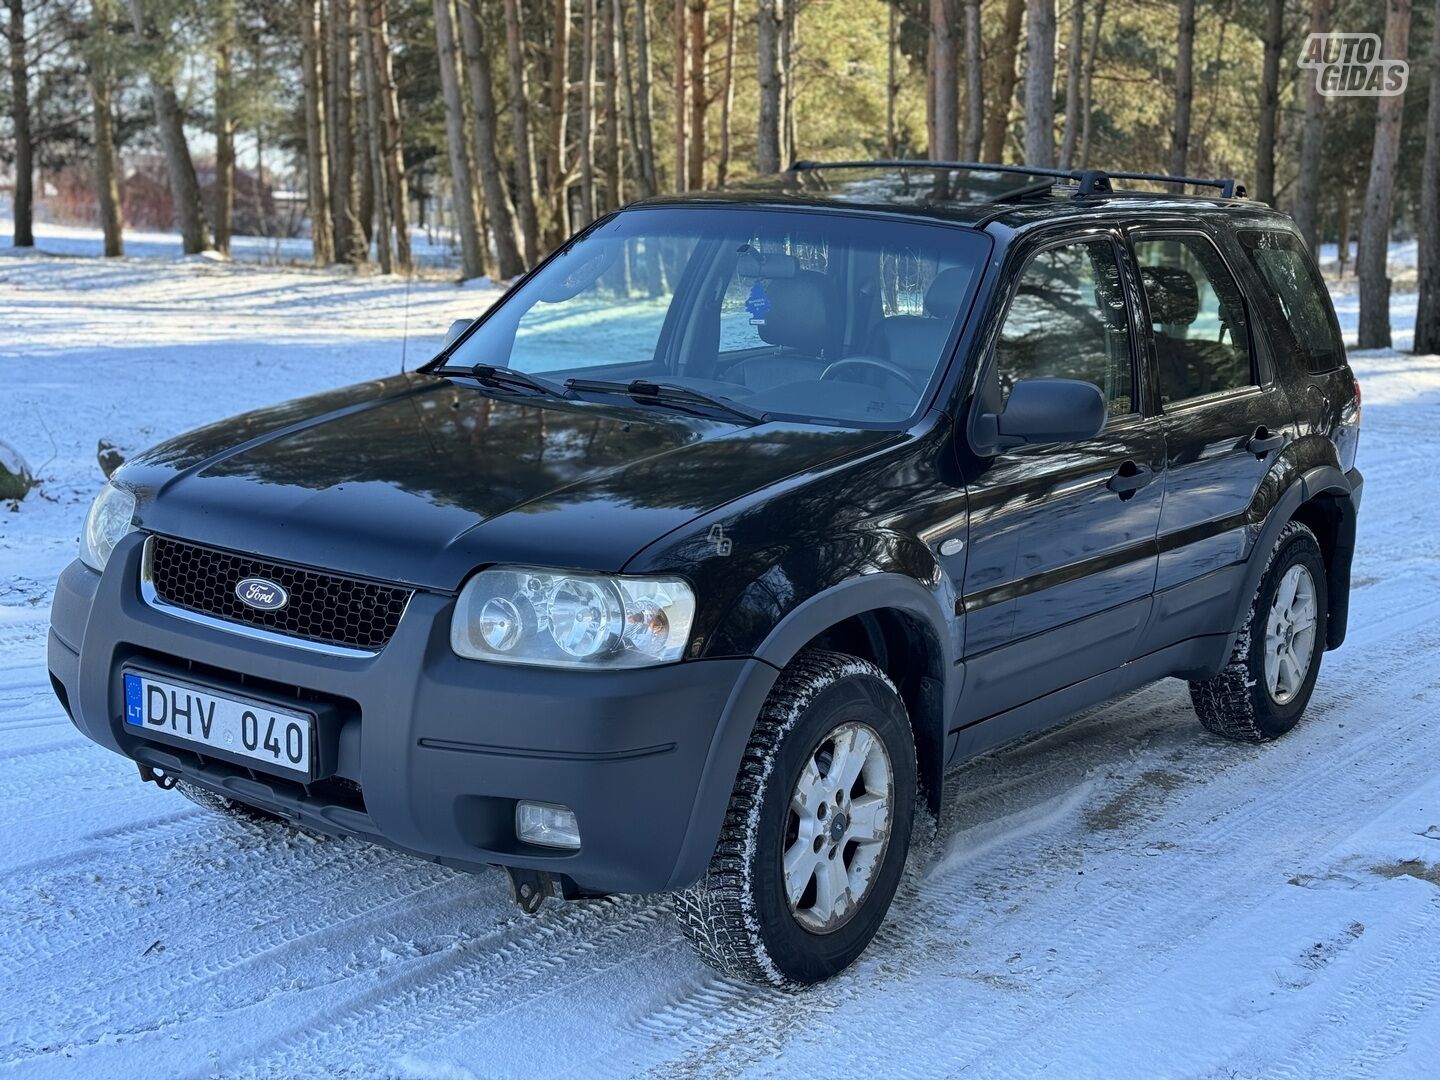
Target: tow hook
[(159, 777), (529, 888)]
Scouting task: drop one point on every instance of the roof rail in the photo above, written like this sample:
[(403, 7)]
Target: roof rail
[(1090, 181)]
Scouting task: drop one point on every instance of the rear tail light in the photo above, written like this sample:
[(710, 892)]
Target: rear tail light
[(1347, 440)]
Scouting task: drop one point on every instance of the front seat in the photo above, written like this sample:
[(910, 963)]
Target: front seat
[(804, 324), (913, 342)]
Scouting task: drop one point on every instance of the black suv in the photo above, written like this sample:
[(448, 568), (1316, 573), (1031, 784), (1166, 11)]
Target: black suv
[(693, 563)]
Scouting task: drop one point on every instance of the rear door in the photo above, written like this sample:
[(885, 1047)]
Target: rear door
[(1225, 417), (1062, 538)]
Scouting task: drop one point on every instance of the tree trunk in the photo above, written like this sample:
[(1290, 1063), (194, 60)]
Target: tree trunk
[(1269, 103), (682, 97), (628, 96), (727, 96), (772, 86), (611, 144), (699, 98), (509, 262), (587, 110), (789, 58), (1373, 262), (322, 244), (997, 124), (375, 143), (526, 194), (558, 163), (224, 126), (24, 202), (974, 82), (1184, 91), (349, 243), (462, 170), (390, 110), (1074, 60), (102, 85), (1087, 90), (1342, 229), (892, 84), (184, 187), (364, 163), (1427, 314), (1307, 189), (650, 183), (946, 86), (1040, 83)]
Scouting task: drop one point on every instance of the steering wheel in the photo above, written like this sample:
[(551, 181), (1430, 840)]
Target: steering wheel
[(893, 370)]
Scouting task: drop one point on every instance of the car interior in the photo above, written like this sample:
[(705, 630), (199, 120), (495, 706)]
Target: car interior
[(842, 318)]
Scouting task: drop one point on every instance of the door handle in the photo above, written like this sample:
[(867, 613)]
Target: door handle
[(1129, 479), (1262, 442)]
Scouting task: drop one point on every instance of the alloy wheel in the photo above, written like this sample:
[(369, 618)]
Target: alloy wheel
[(1290, 634), (837, 827)]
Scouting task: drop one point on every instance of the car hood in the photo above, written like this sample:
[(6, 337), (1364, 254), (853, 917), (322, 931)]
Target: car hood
[(420, 479)]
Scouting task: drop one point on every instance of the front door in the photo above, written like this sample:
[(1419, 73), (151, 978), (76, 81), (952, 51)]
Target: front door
[(1062, 553)]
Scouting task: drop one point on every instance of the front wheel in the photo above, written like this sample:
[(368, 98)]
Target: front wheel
[(817, 831)]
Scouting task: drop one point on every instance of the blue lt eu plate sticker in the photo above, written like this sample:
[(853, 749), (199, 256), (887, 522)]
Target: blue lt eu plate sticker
[(134, 710)]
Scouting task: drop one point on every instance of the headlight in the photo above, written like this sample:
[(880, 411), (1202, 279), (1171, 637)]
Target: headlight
[(522, 616), (108, 522)]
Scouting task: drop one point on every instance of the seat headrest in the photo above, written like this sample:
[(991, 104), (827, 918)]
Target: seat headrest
[(801, 314), (1172, 294), (942, 298)]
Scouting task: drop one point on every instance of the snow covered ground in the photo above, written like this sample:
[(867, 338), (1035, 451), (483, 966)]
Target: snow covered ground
[(431, 251), (1122, 897)]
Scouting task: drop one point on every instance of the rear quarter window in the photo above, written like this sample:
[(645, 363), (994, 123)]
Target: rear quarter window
[(1306, 322)]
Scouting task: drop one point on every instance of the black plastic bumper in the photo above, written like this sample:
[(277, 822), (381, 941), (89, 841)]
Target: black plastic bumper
[(428, 752)]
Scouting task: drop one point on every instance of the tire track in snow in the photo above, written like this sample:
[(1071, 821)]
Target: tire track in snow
[(454, 988)]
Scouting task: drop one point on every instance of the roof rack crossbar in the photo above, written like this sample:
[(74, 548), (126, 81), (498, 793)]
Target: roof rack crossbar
[(1228, 186), (1090, 181)]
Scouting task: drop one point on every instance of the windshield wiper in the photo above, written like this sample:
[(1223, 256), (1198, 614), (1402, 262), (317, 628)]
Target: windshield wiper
[(664, 393), (490, 375)]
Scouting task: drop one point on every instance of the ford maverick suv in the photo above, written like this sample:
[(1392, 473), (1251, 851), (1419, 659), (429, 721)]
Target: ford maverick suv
[(692, 564)]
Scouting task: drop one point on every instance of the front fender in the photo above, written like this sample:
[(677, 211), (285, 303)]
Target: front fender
[(802, 623)]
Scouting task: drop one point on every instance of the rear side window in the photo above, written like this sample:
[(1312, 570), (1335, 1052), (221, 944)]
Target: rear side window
[(1067, 321), (1295, 287), (1197, 318)]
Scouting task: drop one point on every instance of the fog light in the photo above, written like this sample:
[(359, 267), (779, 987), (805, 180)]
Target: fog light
[(547, 825)]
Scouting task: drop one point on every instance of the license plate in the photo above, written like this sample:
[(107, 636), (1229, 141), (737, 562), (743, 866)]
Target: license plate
[(273, 738)]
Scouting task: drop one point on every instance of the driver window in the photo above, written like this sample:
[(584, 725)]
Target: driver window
[(1067, 320), (615, 318)]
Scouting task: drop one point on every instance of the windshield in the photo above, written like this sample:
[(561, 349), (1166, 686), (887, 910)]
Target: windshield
[(829, 317)]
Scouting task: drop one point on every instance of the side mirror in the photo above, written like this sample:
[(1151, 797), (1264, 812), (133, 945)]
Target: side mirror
[(1050, 411), (458, 327)]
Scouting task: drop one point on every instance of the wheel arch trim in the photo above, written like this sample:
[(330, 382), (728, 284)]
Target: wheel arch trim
[(807, 621)]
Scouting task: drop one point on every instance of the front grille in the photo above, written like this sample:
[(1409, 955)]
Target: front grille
[(324, 608)]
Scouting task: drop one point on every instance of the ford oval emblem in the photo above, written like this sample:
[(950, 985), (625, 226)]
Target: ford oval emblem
[(261, 594)]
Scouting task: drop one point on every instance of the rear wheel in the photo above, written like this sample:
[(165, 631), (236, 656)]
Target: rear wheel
[(817, 831), (1271, 674)]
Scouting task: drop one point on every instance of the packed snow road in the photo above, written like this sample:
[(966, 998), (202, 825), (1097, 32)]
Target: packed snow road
[(1125, 896)]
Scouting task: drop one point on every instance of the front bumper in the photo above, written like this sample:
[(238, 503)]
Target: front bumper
[(427, 752)]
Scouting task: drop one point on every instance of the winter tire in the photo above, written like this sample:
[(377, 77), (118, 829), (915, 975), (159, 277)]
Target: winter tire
[(1271, 673), (817, 831)]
